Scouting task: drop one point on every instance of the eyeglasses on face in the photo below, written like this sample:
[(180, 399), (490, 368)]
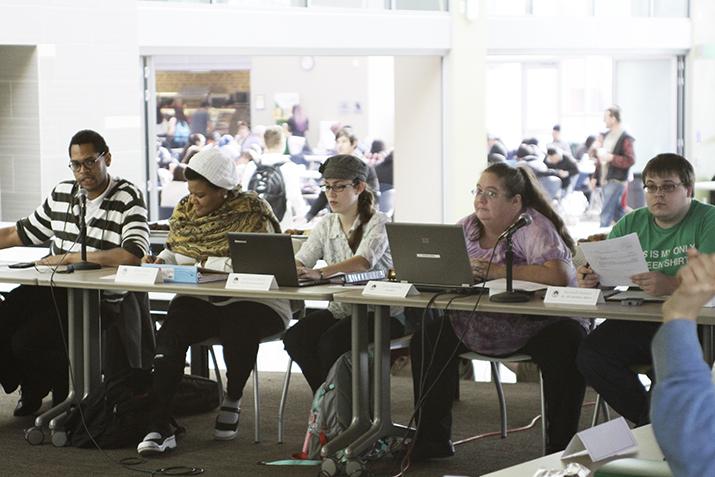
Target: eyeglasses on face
[(488, 194), (337, 188), (666, 188), (88, 163)]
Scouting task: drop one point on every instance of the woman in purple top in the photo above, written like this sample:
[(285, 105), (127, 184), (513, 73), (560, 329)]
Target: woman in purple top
[(542, 253)]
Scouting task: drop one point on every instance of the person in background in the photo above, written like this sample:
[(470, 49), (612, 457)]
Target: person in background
[(200, 119), (32, 352), (496, 146), (352, 238), (179, 129), (566, 167), (557, 142), (197, 236), (298, 123), (616, 158), (671, 222), (542, 253), (683, 402), (195, 144)]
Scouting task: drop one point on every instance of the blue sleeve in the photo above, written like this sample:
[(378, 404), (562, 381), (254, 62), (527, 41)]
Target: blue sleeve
[(683, 400)]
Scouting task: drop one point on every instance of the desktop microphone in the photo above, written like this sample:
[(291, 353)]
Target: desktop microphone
[(83, 264), (523, 220)]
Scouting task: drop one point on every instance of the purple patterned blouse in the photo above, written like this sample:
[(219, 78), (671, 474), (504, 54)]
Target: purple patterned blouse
[(501, 333)]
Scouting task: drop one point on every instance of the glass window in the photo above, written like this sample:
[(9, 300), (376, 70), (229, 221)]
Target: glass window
[(561, 8), (670, 8), (612, 8), (431, 5), (542, 100), (507, 7), (503, 96)]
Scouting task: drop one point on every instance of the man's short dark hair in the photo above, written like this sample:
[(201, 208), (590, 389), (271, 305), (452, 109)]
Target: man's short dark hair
[(557, 127), (615, 111), (87, 136), (670, 163), (552, 151)]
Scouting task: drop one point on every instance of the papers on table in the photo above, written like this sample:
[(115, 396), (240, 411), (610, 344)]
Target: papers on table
[(616, 260), (499, 285), (22, 254)]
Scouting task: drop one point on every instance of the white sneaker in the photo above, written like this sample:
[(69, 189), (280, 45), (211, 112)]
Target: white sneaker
[(154, 443)]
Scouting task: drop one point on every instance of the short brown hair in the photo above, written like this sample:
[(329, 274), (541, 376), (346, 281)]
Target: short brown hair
[(615, 111), (273, 136), (670, 163)]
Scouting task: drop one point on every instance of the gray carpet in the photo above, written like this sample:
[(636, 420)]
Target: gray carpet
[(475, 413)]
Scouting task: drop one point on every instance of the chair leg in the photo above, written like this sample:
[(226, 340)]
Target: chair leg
[(284, 398), (601, 408), (219, 380), (256, 405), (500, 393), (543, 414)]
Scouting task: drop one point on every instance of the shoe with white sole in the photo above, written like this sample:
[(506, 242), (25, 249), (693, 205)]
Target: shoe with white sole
[(155, 443), (226, 431)]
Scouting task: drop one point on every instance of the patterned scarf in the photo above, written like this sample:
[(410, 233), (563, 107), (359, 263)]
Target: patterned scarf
[(201, 237)]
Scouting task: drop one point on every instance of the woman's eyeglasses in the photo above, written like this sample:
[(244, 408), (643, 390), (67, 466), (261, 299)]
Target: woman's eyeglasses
[(489, 194), (335, 188)]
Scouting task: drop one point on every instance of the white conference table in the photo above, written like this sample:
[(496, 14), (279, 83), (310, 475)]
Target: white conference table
[(84, 333), (365, 430), (647, 449)]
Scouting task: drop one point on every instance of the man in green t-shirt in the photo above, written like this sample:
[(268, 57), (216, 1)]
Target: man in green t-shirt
[(671, 223)]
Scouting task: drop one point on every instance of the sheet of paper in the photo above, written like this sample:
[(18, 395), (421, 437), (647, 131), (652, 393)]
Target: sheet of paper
[(603, 441), (21, 254), (500, 285), (615, 260)]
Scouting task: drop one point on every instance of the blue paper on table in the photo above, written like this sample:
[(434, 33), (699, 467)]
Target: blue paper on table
[(186, 273)]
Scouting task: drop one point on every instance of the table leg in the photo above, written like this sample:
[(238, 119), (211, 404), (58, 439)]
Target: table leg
[(92, 345), (382, 424), (74, 347), (360, 380)]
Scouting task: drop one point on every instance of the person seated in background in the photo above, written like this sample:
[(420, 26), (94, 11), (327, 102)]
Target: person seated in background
[(529, 155), (566, 167), (542, 253), (683, 401), (671, 222), (557, 142), (346, 142), (32, 352), (496, 146), (196, 143), (352, 238), (197, 235)]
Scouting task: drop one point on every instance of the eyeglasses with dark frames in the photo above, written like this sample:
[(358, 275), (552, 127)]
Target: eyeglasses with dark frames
[(88, 163)]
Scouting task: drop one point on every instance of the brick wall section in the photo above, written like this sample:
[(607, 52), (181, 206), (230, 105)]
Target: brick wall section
[(215, 81)]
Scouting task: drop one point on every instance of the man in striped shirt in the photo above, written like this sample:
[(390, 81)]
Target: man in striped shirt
[(31, 350)]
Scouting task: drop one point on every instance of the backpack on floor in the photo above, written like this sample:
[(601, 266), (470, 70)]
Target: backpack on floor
[(116, 415), (268, 183), (332, 409), (195, 395)]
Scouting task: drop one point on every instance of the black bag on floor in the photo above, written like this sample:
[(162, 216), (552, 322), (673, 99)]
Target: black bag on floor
[(195, 395), (116, 414)]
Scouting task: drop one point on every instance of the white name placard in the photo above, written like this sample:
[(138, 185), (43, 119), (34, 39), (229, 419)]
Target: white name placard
[(603, 441), (251, 281), (573, 296), (137, 275), (391, 289)]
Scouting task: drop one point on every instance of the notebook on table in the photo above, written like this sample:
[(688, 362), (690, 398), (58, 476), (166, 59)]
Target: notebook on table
[(433, 257), (267, 254)]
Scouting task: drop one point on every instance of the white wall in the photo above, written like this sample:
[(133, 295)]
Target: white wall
[(88, 77), (19, 126), (328, 92)]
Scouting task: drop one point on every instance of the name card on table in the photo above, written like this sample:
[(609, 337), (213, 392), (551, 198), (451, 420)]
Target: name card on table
[(390, 289), (603, 441), (251, 281), (573, 296), (137, 275)]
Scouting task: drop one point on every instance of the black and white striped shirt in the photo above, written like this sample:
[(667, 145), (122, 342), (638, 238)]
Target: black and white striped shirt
[(118, 218)]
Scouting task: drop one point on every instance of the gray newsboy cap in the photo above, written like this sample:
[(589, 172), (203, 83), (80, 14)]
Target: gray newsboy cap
[(344, 166)]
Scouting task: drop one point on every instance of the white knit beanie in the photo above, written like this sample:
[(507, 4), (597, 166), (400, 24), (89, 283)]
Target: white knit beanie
[(216, 167)]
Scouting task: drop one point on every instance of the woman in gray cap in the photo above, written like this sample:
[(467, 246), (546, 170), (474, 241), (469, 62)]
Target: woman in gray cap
[(350, 239), (197, 235)]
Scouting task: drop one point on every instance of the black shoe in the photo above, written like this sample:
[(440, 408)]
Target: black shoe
[(27, 406), (431, 450)]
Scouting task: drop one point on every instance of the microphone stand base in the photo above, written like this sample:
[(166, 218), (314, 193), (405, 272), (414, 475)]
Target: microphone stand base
[(514, 296), (83, 266)]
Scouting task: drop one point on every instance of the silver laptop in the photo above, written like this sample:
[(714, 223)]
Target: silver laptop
[(270, 254), (430, 256)]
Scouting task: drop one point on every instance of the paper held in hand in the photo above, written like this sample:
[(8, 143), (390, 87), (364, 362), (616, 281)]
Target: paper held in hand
[(616, 260)]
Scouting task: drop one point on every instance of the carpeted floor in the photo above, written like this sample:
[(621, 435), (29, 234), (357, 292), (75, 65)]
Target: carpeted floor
[(475, 413)]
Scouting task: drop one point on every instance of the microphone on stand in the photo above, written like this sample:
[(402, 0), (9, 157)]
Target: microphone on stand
[(511, 295), (83, 264)]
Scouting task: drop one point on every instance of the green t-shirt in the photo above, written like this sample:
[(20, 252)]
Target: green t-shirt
[(666, 250)]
